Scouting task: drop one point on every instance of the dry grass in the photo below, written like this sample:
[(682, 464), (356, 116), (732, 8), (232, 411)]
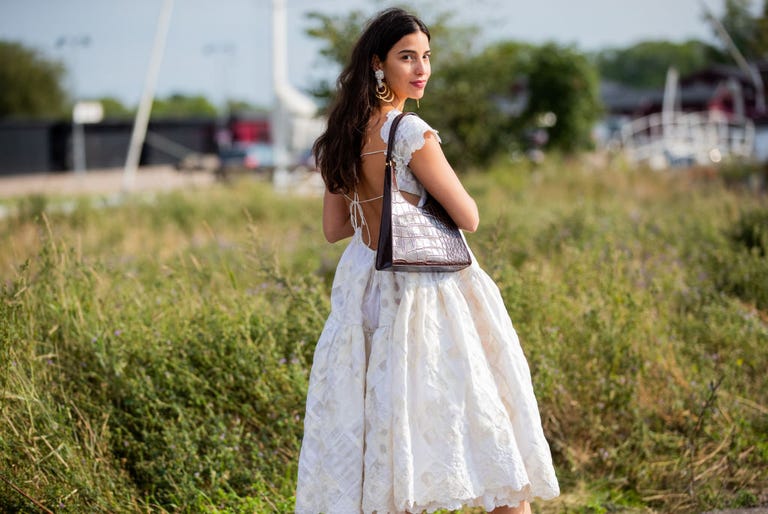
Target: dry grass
[(154, 355)]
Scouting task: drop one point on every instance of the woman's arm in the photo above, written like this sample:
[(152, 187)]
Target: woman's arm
[(336, 222), (435, 173)]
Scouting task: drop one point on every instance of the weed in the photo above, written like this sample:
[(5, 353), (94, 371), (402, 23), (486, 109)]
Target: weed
[(154, 355)]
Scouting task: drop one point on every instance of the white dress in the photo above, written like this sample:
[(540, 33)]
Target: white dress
[(420, 397)]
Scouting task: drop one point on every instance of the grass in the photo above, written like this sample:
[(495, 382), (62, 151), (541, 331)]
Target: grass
[(154, 355)]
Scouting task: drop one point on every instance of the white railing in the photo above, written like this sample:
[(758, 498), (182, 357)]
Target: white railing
[(677, 138)]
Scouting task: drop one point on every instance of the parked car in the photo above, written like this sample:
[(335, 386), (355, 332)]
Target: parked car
[(246, 157)]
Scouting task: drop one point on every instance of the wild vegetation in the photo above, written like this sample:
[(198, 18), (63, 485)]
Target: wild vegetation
[(154, 354)]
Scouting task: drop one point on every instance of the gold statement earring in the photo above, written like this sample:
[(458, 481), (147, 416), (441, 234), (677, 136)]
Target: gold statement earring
[(383, 92)]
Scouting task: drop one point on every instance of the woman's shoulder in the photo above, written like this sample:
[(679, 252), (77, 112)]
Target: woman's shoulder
[(415, 123), (410, 133)]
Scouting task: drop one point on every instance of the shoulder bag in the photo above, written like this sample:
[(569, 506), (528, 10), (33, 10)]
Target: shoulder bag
[(416, 237)]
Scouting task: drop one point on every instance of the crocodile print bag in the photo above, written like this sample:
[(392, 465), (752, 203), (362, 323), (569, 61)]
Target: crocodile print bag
[(416, 238)]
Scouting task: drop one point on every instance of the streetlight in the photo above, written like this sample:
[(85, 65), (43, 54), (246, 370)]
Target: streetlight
[(78, 132), (223, 53)]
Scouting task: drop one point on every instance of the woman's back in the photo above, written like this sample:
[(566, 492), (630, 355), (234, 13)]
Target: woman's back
[(371, 179)]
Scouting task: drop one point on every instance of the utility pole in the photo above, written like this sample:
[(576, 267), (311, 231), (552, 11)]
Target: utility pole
[(279, 83), (222, 54), (78, 131), (145, 106)]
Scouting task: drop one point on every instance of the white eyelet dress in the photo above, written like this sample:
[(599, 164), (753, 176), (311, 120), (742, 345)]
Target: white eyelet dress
[(420, 397)]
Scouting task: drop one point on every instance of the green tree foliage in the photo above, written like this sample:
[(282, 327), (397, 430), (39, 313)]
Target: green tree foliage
[(473, 97), (562, 81), (179, 105), (761, 38), (114, 108), (30, 85), (748, 32), (645, 64), (339, 33), (741, 26), (245, 107), (475, 104)]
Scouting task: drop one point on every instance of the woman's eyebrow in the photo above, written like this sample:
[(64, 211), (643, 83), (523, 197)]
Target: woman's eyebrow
[(409, 51)]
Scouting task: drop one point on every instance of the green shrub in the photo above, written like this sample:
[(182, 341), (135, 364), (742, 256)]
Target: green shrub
[(154, 355)]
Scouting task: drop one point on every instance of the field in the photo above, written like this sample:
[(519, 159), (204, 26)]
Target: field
[(154, 354)]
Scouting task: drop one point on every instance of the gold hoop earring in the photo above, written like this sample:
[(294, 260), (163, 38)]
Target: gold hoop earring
[(383, 92)]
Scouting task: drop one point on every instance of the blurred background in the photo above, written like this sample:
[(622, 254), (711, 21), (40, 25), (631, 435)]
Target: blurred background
[(243, 85)]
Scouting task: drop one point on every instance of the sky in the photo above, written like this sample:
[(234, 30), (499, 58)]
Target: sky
[(222, 48)]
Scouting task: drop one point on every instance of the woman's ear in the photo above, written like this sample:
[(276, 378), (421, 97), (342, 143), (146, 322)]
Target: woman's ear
[(376, 63)]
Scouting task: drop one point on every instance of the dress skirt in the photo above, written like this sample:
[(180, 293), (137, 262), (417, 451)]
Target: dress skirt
[(420, 397)]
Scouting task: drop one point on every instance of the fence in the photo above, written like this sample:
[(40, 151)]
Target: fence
[(45, 146), (678, 138)]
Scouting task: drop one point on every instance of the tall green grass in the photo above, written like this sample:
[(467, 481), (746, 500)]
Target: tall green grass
[(154, 356)]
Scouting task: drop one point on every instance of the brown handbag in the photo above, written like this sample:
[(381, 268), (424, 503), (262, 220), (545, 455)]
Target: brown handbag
[(412, 237)]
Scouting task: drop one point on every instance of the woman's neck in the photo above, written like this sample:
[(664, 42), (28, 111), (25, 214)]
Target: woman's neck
[(394, 104)]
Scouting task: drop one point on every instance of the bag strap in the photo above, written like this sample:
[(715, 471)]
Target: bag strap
[(388, 170), (392, 130), (384, 248)]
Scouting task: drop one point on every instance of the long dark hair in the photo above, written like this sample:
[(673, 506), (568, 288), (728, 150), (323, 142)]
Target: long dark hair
[(337, 151)]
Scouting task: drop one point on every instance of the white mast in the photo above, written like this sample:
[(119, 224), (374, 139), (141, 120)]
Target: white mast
[(145, 106), (745, 66), (279, 82), (669, 105), (291, 106)]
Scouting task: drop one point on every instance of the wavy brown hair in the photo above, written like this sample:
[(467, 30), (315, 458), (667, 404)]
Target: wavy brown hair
[(337, 150)]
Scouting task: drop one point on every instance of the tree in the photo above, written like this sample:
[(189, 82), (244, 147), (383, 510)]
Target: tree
[(30, 85), (761, 36), (472, 101), (245, 107), (179, 105), (339, 34), (741, 26), (563, 82), (114, 108), (474, 97), (645, 64)]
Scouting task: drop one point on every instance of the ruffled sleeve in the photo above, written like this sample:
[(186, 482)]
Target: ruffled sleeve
[(408, 139)]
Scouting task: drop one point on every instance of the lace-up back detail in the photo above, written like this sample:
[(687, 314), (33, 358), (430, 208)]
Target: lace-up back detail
[(357, 216), (408, 139)]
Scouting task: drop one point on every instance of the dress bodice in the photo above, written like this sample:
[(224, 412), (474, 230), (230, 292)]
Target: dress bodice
[(408, 139)]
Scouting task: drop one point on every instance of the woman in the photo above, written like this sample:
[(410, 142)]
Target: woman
[(420, 397)]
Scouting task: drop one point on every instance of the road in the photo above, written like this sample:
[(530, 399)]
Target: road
[(110, 181)]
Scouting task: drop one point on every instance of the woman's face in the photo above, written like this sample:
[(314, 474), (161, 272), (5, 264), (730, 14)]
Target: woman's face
[(407, 68)]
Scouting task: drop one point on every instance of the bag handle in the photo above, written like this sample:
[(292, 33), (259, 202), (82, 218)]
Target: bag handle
[(389, 172), (384, 248), (392, 130)]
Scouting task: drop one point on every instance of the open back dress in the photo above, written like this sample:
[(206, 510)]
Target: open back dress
[(420, 396)]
